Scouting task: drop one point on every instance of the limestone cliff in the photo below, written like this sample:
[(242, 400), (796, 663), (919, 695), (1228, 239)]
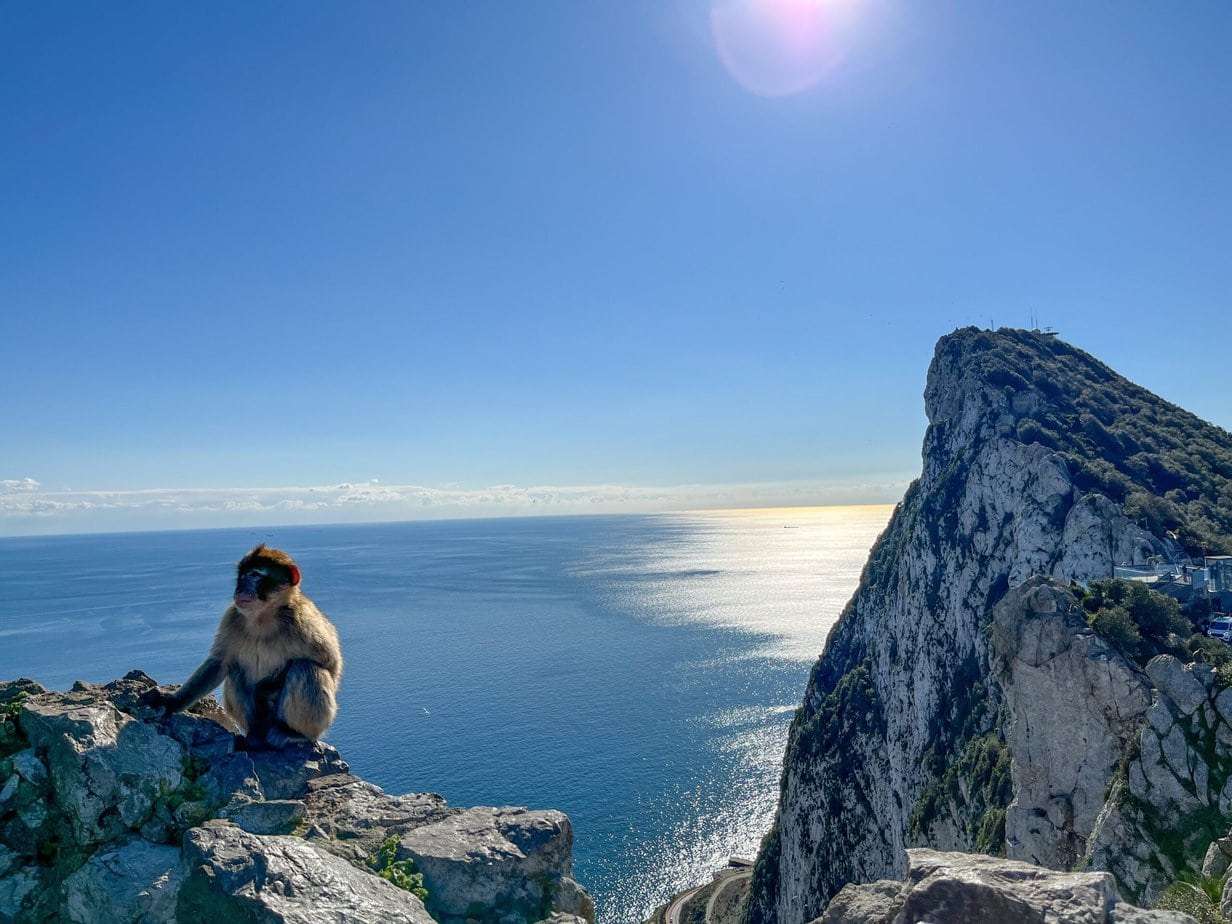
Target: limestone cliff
[(1034, 455), (108, 813)]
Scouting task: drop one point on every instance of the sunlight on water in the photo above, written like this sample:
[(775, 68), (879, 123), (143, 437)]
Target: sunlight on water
[(781, 573), (781, 577), (638, 673)]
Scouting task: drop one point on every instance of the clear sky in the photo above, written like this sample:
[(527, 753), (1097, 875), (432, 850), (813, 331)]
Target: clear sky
[(285, 262)]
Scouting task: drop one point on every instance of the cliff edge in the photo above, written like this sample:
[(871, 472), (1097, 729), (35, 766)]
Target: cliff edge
[(947, 713), (109, 813)]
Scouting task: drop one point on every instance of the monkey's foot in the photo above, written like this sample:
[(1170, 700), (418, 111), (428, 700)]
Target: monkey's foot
[(281, 735), (249, 743)]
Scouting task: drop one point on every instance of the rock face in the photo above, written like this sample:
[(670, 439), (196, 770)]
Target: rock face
[(1074, 705), (966, 887), (930, 722), (110, 814)]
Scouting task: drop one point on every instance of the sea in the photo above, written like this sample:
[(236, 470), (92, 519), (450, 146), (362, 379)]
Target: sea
[(637, 672)]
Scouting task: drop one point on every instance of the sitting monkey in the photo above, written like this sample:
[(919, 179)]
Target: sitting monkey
[(275, 653)]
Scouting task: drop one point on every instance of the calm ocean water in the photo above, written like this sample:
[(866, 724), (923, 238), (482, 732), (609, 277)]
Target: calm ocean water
[(637, 672)]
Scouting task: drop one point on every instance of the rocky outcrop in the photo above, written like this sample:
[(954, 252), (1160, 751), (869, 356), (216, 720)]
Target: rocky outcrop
[(1116, 767), (968, 888), (108, 813), (908, 734), (1074, 705)]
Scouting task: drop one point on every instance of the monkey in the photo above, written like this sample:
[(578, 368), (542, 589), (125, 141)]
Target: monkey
[(276, 655)]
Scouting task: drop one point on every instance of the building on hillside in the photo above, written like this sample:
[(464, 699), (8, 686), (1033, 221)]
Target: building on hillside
[(1211, 579)]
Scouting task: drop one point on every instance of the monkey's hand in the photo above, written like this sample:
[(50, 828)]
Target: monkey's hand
[(165, 703)]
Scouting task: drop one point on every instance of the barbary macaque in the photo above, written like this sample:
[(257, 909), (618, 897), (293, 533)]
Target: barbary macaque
[(276, 655)]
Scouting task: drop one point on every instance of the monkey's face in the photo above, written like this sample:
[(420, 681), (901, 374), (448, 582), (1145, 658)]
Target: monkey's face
[(263, 578), (259, 582)]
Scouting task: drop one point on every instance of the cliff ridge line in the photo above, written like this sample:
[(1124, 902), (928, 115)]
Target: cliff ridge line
[(1039, 463)]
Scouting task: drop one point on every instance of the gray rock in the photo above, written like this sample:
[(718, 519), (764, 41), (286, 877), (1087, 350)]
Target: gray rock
[(107, 768), (233, 875), (485, 862), (278, 816), (1177, 682), (1164, 787), (1217, 859), (99, 792), (1223, 704), (992, 510), (29, 767), (353, 818), (1075, 706), (132, 881), (1160, 717), (17, 892), (285, 773), (871, 903), (957, 887)]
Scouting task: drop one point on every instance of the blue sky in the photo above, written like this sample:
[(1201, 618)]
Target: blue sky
[(280, 262)]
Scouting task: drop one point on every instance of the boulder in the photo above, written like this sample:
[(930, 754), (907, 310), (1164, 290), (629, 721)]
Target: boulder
[(232, 875), (132, 880), (353, 818), (944, 887), (107, 769), (490, 863)]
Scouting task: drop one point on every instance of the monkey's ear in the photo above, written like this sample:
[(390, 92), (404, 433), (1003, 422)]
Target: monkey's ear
[(294, 575)]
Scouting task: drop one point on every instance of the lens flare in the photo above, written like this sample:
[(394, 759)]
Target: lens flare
[(776, 47)]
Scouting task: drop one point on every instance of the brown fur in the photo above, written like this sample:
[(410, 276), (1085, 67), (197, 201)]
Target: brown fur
[(276, 653)]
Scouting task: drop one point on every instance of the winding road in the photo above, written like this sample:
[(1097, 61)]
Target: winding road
[(724, 877)]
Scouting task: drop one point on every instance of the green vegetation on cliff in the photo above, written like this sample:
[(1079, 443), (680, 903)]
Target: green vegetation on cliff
[(1168, 468), (402, 873), (1141, 623), (902, 735)]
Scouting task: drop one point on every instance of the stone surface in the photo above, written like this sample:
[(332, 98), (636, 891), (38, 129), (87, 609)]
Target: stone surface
[(277, 816), (958, 887), (109, 812), (1075, 706), (353, 818), (1217, 858), (485, 863), (907, 685), (230, 874), (874, 903), (17, 889), (107, 768), (133, 881), (1177, 682)]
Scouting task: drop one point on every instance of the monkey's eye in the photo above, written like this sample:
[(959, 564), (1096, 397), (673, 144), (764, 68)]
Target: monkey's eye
[(261, 572)]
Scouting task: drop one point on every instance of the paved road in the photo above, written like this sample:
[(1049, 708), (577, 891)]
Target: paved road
[(673, 910), (727, 877)]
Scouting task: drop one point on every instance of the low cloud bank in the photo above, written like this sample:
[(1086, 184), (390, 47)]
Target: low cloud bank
[(26, 508)]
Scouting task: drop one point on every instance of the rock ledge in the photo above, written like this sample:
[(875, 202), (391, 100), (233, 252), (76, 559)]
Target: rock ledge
[(109, 813)]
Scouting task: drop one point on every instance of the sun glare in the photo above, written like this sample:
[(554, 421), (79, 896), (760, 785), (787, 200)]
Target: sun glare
[(779, 47)]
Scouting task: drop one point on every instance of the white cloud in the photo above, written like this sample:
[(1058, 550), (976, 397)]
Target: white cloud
[(19, 484), (26, 508)]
